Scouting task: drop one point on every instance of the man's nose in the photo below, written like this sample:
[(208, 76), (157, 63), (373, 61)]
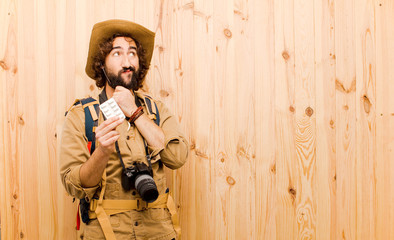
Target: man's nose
[(125, 62)]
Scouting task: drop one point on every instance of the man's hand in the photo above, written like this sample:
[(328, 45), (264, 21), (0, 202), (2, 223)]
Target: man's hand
[(92, 170), (106, 134), (125, 99)]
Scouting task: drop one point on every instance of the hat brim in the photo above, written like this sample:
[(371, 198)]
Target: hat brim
[(104, 30)]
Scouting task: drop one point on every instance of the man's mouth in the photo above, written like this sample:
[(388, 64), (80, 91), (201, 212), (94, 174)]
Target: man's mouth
[(128, 70)]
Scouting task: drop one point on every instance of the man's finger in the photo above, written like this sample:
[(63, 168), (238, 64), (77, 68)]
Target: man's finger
[(106, 127), (109, 139)]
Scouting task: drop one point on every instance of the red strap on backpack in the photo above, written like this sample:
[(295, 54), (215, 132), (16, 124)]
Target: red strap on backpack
[(78, 219)]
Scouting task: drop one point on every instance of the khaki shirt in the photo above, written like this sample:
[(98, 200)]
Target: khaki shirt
[(146, 224)]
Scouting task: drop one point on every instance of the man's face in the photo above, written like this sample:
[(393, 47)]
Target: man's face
[(122, 64)]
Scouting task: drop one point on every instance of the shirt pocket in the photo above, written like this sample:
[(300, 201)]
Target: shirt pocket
[(112, 191), (160, 214), (94, 231)]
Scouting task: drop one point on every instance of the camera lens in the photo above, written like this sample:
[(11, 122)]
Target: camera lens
[(146, 187)]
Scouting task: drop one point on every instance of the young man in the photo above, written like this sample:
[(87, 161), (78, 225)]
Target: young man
[(108, 179)]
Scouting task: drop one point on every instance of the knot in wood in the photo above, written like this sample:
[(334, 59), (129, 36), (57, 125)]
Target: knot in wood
[(293, 192), (3, 65), (285, 55), (309, 111), (367, 104), (291, 109), (21, 121), (227, 33), (332, 123), (164, 93), (230, 180), (273, 168)]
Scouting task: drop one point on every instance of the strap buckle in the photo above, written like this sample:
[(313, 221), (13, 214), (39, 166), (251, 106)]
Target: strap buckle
[(141, 205), (93, 205)]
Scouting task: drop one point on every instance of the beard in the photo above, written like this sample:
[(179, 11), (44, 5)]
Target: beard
[(117, 80)]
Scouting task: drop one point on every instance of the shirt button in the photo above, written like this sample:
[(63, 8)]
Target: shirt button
[(136, 223)]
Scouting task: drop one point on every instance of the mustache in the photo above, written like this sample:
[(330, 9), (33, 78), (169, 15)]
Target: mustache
[(131, 68)]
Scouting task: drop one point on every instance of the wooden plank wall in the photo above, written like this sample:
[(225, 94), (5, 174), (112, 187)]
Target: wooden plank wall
[(288, 107)]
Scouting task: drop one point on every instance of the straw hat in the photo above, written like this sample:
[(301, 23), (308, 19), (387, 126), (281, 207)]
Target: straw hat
[(104, 30)]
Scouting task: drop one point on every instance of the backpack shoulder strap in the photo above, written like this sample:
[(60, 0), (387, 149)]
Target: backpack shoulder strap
[(153, 111), (91, 109)]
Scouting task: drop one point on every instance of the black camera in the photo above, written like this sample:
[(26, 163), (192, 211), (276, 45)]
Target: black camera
[(139, 176)]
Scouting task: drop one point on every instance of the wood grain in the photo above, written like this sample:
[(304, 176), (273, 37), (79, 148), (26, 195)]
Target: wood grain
[(262, 18), (366, 119), (305, 117), (384, 120), (287, 184), (346, 205), (287, 106), (325, 119)]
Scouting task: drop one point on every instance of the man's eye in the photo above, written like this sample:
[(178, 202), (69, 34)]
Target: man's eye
[(116, 54), (133, 53)]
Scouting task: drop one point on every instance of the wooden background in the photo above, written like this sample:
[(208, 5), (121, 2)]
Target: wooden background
[(288, 106)]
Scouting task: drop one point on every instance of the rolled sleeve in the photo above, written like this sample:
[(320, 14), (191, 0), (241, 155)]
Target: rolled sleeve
[(175, 153), (176, 148), (73, 185), (73, 153)]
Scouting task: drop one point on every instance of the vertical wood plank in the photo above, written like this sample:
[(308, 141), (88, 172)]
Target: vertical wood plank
[(203, 133), (366, 118), (305, 129), (243, 165), (264, 105), (325, 119), (346, 120), (286, 174), (226, 178), (46, 119), (26, 117), (9, 165), (65, 94), (384, 119)]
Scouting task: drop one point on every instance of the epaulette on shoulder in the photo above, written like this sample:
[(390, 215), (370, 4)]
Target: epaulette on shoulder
[(76, 102), (80, 101)]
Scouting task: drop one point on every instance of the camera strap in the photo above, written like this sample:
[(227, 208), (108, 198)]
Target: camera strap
[(148, 156)]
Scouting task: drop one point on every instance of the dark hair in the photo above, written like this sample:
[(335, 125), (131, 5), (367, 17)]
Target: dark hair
[(105, 48)]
